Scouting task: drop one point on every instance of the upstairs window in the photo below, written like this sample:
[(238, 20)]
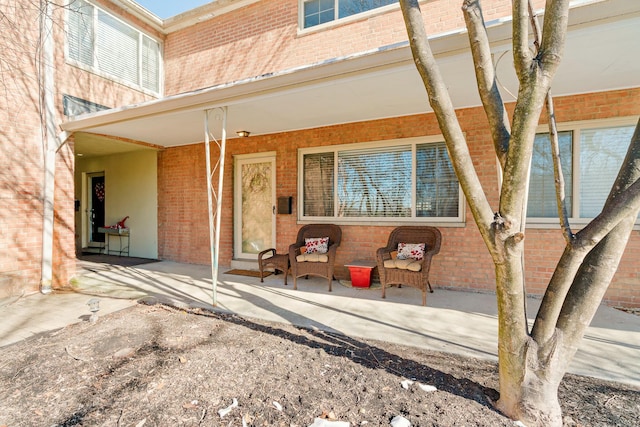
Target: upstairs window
[(591, 156), (316, 12), (408, 179), (106, 45)]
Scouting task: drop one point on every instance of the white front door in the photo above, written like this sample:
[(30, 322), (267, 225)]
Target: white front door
[(254, 204)]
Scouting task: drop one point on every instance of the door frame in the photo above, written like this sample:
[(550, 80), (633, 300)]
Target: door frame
[(238, 161)]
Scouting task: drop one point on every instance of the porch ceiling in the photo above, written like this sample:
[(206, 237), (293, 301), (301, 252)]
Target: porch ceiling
[(601, 54)]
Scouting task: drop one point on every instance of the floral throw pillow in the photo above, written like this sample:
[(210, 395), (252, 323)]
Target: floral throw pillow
[(317, 244), (411, 251)]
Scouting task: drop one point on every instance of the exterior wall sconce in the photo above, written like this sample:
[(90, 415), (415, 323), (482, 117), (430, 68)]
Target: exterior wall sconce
[(243, 133)]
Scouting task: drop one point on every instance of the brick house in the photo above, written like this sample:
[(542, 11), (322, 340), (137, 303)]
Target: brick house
[(325, 95)]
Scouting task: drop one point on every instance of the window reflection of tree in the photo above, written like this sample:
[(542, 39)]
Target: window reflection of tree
[(437, 189), (318, 184), (352, 7), (375, 183)]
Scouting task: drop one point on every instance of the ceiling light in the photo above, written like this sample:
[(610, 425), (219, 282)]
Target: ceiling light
[(243, 133)]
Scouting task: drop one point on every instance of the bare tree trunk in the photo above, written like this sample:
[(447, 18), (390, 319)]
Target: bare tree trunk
[(531, 366)]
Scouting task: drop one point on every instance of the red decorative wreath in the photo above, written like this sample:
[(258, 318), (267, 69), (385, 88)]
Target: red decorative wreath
[(99, 190)]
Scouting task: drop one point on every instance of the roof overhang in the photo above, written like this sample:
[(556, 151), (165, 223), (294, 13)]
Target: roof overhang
[(378, 84)]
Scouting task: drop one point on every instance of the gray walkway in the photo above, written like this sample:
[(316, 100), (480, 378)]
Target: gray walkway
[(456, 322)]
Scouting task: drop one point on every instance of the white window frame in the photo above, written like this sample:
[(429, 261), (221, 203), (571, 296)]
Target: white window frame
[(339, 21), (413, 219), (576, 128), (95, 70)]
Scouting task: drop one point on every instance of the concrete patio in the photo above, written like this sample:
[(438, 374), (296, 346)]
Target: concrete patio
[(457, 322)]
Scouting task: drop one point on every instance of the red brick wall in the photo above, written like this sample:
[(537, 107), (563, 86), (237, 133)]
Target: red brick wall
[(183, 227), (22, 159), (263, 38), (463, 261)]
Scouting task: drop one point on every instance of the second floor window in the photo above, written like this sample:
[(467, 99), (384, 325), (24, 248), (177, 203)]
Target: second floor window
[(107, 45), (316, 12)]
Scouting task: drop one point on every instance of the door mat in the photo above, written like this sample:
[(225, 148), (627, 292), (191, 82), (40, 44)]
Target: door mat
[(250, 273), (347, 284)]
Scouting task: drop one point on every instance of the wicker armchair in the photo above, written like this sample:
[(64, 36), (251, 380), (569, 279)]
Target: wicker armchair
[(393, 275), (324, 265), (269, 258)]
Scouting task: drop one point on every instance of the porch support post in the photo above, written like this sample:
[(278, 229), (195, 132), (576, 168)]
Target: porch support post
[(212, 195)]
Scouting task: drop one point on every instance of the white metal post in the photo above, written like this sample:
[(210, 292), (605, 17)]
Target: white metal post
[(215, 217)]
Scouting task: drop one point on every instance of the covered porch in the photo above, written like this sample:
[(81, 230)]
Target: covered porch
[(364, 87)]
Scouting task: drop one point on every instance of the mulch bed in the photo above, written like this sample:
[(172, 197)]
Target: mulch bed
[(160, 366)]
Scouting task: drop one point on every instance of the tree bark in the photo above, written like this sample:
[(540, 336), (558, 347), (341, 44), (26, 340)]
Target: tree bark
[(486, 79)]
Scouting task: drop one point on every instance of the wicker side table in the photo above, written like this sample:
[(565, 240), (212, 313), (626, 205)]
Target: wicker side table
[(276, 261)]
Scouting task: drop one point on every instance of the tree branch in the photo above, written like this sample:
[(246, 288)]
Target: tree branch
[(486, 78), (556, 20), (440, 101), (561, 204), (555, 144), (535, 78), (593, 242), (521, 52), (589, 286), (600, 265), (626, 203)]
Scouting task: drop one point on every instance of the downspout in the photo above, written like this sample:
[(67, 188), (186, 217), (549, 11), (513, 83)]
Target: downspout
[(50, 149)]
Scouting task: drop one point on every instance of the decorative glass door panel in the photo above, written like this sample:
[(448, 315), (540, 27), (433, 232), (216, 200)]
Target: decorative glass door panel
[(254, 206)]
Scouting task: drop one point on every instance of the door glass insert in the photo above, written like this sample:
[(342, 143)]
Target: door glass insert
[(257, 206)]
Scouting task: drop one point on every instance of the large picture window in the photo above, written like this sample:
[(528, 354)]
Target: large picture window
[(316, 12), (591, 156), (410, 180), (106, 45)]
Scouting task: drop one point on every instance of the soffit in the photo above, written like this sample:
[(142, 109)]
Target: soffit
[(600, 55)]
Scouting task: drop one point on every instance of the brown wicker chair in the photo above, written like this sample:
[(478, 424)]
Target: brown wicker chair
[(269, 258), (431, 236), (308, 268)]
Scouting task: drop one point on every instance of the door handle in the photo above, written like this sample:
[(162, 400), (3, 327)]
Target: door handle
[(274, 209)]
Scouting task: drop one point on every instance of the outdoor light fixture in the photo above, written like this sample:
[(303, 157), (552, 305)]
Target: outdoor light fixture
[(243, 133), (94, 306)]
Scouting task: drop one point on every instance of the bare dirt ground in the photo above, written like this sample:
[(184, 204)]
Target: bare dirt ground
[(159, 366)]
